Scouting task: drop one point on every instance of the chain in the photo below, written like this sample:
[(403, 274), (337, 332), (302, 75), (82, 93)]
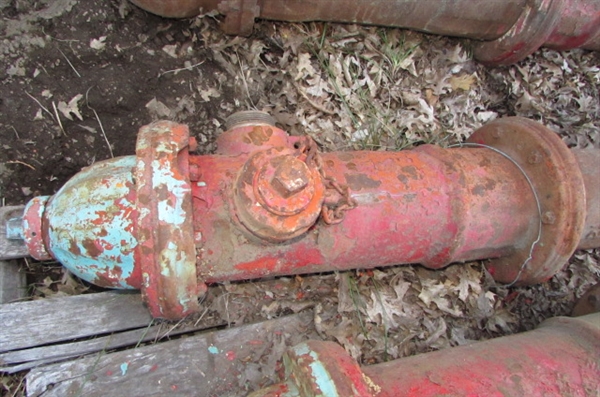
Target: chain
[(332, 213)]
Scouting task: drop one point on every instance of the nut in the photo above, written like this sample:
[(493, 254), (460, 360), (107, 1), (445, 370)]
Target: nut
[(535, 157), (548, 218), (291, 177)]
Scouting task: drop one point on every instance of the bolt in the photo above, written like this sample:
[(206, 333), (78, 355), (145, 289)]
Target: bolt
[(548, 218), (291, 177), (535, 157)]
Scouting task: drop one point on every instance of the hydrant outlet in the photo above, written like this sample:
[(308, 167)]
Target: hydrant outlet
[(278, 196), (248, 117)]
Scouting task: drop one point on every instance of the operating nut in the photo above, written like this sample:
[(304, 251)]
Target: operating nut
[(291, 177)]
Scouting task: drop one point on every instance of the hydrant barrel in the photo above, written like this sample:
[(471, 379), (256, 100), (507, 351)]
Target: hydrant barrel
[(431, 206)]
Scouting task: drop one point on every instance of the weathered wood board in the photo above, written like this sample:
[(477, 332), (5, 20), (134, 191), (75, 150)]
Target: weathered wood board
[(52, 320), (11, 249), (13, 283), (230, 362), (19, 360)]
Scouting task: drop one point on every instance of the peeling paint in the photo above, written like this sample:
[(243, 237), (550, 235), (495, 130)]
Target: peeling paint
[(124, 367)]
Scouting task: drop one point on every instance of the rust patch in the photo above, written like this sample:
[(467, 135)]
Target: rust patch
[(478, 190), (411, 171), (92, 249), (402, 178), (258, 136), (74, 248), (361, 181)]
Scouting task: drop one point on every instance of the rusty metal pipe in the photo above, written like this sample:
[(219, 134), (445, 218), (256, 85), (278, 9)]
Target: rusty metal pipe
[(559, 358), (268, 204), (510, 29)]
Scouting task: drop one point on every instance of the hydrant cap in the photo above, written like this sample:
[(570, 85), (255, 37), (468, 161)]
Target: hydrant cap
[(90, 224)]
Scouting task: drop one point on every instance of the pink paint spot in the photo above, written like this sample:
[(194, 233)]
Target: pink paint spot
[(230, 355), (174, 387), (109, 373), (153, 368)]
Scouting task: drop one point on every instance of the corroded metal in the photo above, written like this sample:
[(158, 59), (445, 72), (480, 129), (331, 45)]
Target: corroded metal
[(89, 224), (165, 252), (559, 358), (264, 206), (510, 29), (267, 204), (558, 182), (32, 228)]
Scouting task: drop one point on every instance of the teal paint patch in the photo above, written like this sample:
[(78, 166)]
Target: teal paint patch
[(322, 378), (213, 350), (318, 371), (91, 222), (124, 368)]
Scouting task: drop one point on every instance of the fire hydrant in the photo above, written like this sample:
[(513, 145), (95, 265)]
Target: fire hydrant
[(509, 30), (268, 204), (559, 358)]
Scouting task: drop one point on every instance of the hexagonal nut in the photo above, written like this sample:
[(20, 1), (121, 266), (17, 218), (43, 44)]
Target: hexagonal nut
[(291, 177)]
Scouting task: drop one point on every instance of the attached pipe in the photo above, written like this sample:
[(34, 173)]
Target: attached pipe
[(559, 358), (268, 204), (510, 29)]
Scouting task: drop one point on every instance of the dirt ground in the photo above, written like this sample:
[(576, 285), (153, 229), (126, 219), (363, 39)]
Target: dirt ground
[(79, 78)]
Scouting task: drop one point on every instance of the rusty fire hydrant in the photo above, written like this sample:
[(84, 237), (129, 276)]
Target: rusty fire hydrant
[(508, 30), (559, 358), (268, 204)]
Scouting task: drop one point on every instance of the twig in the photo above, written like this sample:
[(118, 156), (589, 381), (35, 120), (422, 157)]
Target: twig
[(112, 156), (166, 334), (69, 62), (181, 69), (20, 162), (58, 118), (315, 105), (40, 104), (201, 317), (16, 133), (244, 79)]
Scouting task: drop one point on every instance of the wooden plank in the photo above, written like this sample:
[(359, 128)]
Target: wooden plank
[(20, 360), (13, 283), (11, 249), (51, 320), (231, 362)]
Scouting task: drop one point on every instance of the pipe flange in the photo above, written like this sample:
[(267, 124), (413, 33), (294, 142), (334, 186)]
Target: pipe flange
[(166, 249), (557, 180), (32, 228), (535, 25), (277, 196)]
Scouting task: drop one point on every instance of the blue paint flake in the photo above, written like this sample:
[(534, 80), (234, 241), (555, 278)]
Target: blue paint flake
[(124, 368), (213, 350)]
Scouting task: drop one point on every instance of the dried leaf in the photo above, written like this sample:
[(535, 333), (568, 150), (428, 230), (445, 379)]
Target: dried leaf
[(72, 108), (463, 82)]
